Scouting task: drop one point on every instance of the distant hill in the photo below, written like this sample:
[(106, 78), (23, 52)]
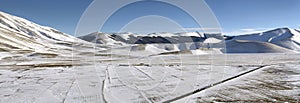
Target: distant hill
[(279, 40), (284, 37), (247, 46)]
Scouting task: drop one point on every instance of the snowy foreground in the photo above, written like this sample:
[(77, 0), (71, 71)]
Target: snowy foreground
[(108, 77)]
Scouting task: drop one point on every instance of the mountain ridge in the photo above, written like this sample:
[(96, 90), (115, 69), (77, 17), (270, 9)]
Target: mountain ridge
[(19, 33), (284, 37)]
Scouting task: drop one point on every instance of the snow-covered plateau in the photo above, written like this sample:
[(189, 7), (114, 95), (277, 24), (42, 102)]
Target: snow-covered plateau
[(43, 65)]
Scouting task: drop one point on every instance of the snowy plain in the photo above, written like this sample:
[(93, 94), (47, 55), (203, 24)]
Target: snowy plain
[(108, 77)]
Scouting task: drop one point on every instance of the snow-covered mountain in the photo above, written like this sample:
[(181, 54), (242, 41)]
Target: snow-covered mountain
[(19, 34), (157, 43), (274, 41), (153, 38), (101, 38), (284, 37)]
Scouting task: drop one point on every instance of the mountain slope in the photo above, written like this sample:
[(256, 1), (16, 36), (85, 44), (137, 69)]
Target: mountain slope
[(247, 46), (19, 34), (284, 37)]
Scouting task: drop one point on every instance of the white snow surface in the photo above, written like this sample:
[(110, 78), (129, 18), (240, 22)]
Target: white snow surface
[(284, 37), (19, 33), (296, 36)]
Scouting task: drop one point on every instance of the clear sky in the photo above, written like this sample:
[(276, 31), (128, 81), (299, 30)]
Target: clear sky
[(59, 14), (234, 16)]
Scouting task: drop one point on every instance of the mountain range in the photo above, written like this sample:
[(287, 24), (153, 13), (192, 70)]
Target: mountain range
[(279, 40), (20, 35)]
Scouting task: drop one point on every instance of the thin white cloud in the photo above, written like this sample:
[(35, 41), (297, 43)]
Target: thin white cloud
[(249, 30), (246, 31), (202, 29)]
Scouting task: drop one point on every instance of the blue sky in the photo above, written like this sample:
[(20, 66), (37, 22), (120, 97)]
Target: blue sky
[(59, 14), (234, 16)]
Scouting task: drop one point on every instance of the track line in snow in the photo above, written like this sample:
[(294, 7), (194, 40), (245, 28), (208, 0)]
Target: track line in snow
[(215, 84), (144, 73)]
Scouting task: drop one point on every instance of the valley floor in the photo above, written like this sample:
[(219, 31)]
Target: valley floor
[(159, 78)]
